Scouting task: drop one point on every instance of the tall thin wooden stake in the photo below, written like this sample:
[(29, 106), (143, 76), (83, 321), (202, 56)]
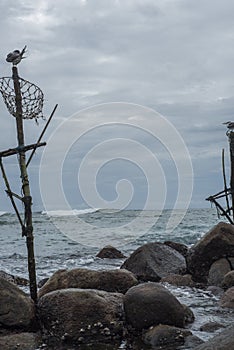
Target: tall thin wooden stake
[(27, 199), (231, 140), (225, 182)]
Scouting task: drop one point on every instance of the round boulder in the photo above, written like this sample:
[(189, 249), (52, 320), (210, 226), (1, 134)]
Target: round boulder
[(108, 280), (216, 244), (227, 299), (150, 304), (109, 252), (217, 272), (153, 261), (16, 308), (78, 315)]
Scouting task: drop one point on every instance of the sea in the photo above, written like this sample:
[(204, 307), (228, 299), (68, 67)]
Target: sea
[(71, 239)]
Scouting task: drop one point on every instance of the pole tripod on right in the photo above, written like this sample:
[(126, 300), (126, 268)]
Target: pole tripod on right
[(228, 192)]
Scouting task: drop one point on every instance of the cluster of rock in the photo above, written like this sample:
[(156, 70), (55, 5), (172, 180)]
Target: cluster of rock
[(81, 306)]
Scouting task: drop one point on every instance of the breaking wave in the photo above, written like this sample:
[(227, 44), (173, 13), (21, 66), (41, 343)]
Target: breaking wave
[(72, 212)]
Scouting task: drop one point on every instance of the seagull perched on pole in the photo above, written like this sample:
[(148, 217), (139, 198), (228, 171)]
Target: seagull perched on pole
[(16, 56), (230, 125)]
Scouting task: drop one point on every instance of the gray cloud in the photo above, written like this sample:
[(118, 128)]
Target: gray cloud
[(174, 56)]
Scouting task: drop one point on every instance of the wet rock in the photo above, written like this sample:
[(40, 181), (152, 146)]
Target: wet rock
[(150, 304), (20, 341), (180, 247), (216, 244), (16, 308), (108, 280), (137, 343), (217, 272), (179, 280), (153, 261), (211, 327), (188, 314), (218, 291), (228, 280), (109, 252), (221, 341), (191, 341), (81, 316), (227, 300), (20, 281), (163, 335)]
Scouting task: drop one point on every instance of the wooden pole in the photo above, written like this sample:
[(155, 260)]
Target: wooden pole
[(27, 199), (225, 182), (231, 141)]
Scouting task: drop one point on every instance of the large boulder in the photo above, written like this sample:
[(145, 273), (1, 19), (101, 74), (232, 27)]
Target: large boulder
[(217, 272), (150, 304), (166, 336), (78, 315), (216, 244), (109, 252), (16, 308), (221, 341), (153, 261), (227, 299), (108, 280), (20, 341)]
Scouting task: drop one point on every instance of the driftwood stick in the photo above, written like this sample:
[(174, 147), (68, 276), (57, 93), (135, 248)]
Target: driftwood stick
[(211, 199), (39, 139), (8, 191)]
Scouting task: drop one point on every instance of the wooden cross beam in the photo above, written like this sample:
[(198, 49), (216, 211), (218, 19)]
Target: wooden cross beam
[(12, 151)]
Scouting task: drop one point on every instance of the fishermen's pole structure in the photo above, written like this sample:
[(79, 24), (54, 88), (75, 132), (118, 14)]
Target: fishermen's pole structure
[(24, 100), (231, 142), (27, 199)]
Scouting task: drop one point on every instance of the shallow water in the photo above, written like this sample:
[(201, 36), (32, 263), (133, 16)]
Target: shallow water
[(54, 248)]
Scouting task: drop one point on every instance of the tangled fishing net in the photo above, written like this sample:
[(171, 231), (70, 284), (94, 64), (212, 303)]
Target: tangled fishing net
[(31, 95)]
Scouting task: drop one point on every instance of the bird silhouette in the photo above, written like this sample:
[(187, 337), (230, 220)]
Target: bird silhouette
[(230, 125), (16, 56)]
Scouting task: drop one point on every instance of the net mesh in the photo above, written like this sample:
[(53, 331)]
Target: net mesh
[(32, 97)]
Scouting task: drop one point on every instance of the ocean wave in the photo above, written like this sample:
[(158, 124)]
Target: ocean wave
[(3, 213), (72, 212)]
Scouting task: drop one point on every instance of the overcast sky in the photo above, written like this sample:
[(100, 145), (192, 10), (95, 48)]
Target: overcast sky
[(172, 56)]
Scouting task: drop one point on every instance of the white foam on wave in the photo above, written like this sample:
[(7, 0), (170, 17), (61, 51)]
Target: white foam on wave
[(3, 213), (70, 212)]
